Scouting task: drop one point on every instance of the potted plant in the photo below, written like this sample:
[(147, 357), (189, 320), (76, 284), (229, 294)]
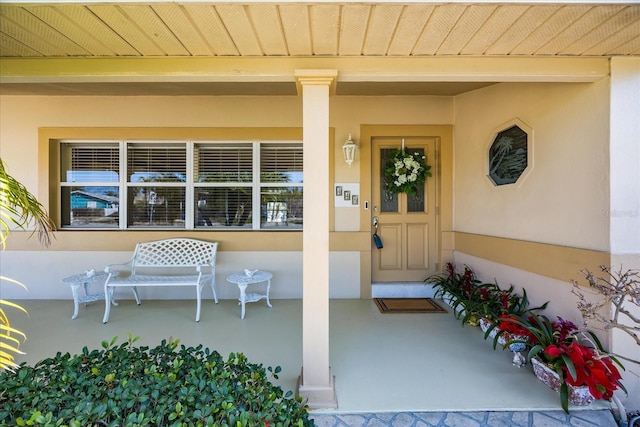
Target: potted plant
[(475, 302), (568, 360), (500, 325), (455, 288)]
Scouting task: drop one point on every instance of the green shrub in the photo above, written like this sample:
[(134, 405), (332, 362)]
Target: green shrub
[(127, 385)]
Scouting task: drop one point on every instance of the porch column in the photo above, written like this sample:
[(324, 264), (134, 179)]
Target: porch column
[(316, 383)]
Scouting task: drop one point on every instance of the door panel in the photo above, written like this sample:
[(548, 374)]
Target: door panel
[(391, 235), (418, 246), (407, 224)]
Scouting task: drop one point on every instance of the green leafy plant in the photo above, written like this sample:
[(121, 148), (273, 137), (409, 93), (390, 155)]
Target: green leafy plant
[(453, 285), (473, 300), (464, 293), (141, 386), (559, 345), (17, 208), (503, 329)]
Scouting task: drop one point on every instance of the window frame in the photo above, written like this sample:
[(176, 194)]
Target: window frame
[(190, 184)]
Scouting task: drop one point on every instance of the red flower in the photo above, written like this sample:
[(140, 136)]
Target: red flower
[(451, 269), (598, 373), (468, 276), (516, 329), (564, 329), (553, 350), (504, 298)]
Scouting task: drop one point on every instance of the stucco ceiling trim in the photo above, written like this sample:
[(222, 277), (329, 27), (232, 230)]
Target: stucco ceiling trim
[(282, 69)]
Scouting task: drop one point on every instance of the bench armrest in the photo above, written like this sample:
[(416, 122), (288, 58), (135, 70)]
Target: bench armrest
[(112, 268), (205, 268)]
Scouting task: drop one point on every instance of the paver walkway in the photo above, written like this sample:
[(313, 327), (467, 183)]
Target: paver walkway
[(600, 418)]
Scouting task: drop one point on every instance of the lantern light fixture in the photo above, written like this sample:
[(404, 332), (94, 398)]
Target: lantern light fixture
[(349, 149)]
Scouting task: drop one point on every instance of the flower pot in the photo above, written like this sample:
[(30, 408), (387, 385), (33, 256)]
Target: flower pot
[(448, 298), (486, 324), (451, 300), (504, 338), (577, 395), (518, 359)]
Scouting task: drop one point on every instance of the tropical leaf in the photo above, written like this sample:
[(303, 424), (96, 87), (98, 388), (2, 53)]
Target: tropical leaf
[(20, 208)]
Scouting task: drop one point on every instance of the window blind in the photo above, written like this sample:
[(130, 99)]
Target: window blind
[(156, 163), (223, 163), (87, 163), (281, 162)]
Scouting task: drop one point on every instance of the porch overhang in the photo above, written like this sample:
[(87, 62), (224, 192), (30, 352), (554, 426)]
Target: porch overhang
[(276, 75)]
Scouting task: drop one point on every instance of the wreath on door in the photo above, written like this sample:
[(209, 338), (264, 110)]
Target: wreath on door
[(405, 172)]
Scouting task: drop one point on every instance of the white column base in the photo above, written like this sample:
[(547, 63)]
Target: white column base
[(318, 397)]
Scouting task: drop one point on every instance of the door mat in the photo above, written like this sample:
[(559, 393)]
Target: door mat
[(408, 305)]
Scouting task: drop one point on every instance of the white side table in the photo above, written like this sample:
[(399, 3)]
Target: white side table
[(243, 280), (86, 281)]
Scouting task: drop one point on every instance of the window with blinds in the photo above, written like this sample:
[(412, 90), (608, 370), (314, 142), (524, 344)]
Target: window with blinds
[(281, 162), (89, 179), (224, 163), (186, 185), (156, 162), (96, 163)]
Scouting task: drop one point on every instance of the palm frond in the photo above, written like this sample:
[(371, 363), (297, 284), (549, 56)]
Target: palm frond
[(18, 206)]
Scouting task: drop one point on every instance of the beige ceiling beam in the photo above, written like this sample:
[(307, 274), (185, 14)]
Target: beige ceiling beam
[(281, 69)]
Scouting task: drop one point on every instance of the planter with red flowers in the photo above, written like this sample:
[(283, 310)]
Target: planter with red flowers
[(579, 396), (575, 357), (485, 305)]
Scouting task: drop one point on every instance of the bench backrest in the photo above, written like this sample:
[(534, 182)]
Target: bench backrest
[(175, 253)]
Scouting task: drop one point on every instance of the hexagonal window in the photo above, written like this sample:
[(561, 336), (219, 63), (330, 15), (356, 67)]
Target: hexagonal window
[(508, 156)]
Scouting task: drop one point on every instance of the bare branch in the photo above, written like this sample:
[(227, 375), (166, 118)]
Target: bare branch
[(613, 290)]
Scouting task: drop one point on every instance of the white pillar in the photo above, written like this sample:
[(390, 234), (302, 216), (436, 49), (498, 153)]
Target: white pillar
[(316, 383), (624, 205)]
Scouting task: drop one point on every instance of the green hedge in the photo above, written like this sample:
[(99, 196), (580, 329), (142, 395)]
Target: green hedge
[(127, 385)]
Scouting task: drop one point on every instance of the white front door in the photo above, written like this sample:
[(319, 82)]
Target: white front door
[(407, 224)]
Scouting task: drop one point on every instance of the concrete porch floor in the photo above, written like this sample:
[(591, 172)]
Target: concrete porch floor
[(390, 369)]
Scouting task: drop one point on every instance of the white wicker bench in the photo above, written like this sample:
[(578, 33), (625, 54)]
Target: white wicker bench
[(170, 262)]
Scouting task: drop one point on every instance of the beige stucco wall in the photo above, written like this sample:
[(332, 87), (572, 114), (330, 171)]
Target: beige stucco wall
[(568, 199), (563, 198), (21, 117)]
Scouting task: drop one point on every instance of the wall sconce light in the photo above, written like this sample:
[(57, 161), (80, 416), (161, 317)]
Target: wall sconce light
[(349, 150)]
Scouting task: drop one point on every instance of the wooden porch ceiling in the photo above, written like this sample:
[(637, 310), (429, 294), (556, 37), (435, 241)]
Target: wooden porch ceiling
[(186, 30)]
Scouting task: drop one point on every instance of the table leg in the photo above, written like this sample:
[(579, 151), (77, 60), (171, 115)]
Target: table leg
[(243, 297), (268, 288), (74, 292), (108, 299)]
